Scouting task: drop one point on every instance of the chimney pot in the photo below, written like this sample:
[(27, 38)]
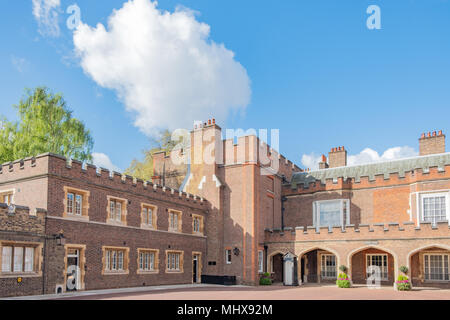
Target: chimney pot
[(422, 136), (440, 133), (434, 133), (429, 134)]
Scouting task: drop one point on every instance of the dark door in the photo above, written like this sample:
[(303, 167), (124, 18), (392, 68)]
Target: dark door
[(302, 270), (195, 269)]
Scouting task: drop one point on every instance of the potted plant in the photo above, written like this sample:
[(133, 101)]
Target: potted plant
[(403, 283), (265, 279), (343, 281)]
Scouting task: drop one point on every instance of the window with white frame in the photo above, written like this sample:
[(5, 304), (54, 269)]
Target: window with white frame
[(434, 207), (174, 221), (147, 260), (114, 260), (149, 216), (197, 224), (328, 266), (6, 197), (260, 261), (436, 267), (116, 210), (18, 259), (228, 256), (174, 261), (380, 261), (331, 213)]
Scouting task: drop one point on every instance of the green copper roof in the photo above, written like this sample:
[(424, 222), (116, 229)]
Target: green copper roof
[(372, 169)]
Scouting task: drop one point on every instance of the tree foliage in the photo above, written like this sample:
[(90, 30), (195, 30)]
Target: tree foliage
[(46, 125), (144, 169)]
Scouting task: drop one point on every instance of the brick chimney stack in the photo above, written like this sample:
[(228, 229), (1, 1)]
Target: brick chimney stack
[(323, 163), (432, 143), (337, 157)]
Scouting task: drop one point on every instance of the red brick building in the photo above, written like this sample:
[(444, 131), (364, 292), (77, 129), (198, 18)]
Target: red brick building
[(243, 210)]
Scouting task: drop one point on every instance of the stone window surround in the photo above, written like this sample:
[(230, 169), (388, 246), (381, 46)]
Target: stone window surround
[(180, 220), (126, 260), (197, 216), (154, 208), (85, 205), (181, 270), (156, 262), (9, 192), (430, 193), (37, 264), (124, 212)]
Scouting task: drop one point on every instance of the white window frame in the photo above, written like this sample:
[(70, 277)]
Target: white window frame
[(260, 261), (325, 269), (11, 194), (444, 257), (316, 212), (228, 254), (385, 256), (423, 195)]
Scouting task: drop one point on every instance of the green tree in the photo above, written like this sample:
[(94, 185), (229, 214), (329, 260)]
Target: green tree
[(144, 169), (46, 125)]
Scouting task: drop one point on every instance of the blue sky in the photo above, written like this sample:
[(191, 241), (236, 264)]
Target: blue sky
[(316, 72)]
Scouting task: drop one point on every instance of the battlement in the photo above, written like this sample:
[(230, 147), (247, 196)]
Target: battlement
[(55, 165), (421, 169), (385, 231), (19, 219)]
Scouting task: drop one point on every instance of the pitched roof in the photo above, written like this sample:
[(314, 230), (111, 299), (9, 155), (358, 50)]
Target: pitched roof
[(372, 169)]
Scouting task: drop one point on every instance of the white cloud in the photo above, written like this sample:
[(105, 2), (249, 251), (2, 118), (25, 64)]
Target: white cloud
[(163, 66), (368, 155), (46, 13), (103, 161), (19, 63)]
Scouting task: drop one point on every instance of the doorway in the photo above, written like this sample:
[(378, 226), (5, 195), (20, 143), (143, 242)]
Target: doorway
[(196, 273), (73, 270)]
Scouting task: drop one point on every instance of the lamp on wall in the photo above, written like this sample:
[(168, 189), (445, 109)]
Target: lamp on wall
[(60, 239), (236, 251)]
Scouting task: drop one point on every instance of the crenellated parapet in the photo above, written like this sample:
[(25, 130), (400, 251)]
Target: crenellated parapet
[(57, 166), (385, 231), (16, 218)]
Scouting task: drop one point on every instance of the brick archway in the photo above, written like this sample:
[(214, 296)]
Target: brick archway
[(359, 259), (427, 266), (317, 265)]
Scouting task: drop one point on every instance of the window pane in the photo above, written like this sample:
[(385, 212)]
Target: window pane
[(6, 259), (111, 209), (330, 214), (18, 259), (70, 203), (79, 203), (118, 211), (29, 259)]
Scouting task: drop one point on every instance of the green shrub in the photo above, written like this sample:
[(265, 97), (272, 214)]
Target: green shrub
[(343, 269), (403, 283), (404, 269), (266, 275), (343, 281), (265, 281)]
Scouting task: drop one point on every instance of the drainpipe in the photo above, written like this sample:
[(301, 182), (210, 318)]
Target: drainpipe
[(283, 199)]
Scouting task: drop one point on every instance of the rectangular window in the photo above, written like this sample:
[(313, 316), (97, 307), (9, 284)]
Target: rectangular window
[(380, 261), (328, 266), (70, 197), (18, 259), (175, 221), (228, 256), (436, 267), (148, 215), (197, 224), (115, 259), (331, 213), (78, 204), (147, 260), (260, 261), (6, 198), (173, 261), (434, 208), (116, 209)]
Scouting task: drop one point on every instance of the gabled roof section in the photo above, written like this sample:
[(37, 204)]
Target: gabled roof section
[(372, 169)]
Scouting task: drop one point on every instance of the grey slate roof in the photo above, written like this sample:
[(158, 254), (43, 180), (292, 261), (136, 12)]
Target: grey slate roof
[(372, 169)]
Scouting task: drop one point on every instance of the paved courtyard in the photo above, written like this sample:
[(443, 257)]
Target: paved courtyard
[(277, 292)]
